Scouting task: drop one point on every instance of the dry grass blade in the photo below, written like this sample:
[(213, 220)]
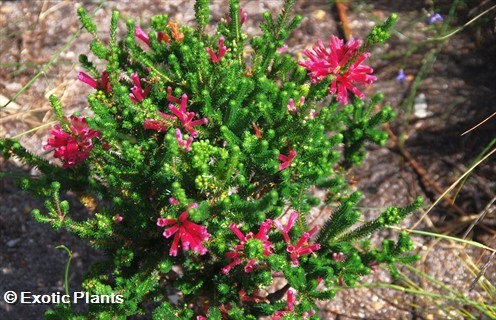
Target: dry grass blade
[(453, 185), (480, 216), (479, 124)]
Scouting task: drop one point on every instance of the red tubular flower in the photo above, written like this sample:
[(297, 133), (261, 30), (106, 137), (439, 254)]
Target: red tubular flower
[(285, 230), (73, 147), (222, 51), (190, 234), (186, 117), (244, 16), (286, 160), (282, 49), (227, 19), (254, 297), (343, 62), (289, 306), (142, 35), (160, 125), (238, 254), (103, 84), (162, 37), (258, 134), (302, 248), (170, 97), (137, 93)]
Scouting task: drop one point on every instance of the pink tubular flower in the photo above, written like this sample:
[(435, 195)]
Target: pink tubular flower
[(289, 306), (242, 14), (343, 62), (170, 97), (285, 230), (286, 160), (190, 234), (282, 49), (338, 256), (142, 35), (160, 125), (302, 248), (222, 51), (73, 147), (254, 297), (103, 84), (184, 144), (137, 93), (291, 107), (312, 114), (186, 117), (374, 266), (238, 254), (258, 134), (307, 315)]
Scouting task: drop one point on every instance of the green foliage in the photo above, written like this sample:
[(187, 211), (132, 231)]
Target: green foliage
[(361, 126), (190, 159), (382, 32)]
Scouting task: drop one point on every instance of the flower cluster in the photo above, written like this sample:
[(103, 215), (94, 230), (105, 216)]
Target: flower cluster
[(185, 118), (137, 92), (72, 147), (190, 234), (249, 241), (302, 248), (222, 51), (343, 62)]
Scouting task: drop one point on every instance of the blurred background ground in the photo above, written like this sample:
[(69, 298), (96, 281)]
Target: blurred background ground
[(450, 87)]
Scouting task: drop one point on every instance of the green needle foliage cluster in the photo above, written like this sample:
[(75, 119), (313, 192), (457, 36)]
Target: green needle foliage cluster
[(248, 153)]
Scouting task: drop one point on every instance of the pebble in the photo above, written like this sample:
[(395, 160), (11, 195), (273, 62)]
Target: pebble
[(319, 15), (11, 243), (13, 86)]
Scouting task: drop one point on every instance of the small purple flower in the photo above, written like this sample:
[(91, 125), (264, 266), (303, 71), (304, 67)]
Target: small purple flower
[(433, 18), (401, 76)]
